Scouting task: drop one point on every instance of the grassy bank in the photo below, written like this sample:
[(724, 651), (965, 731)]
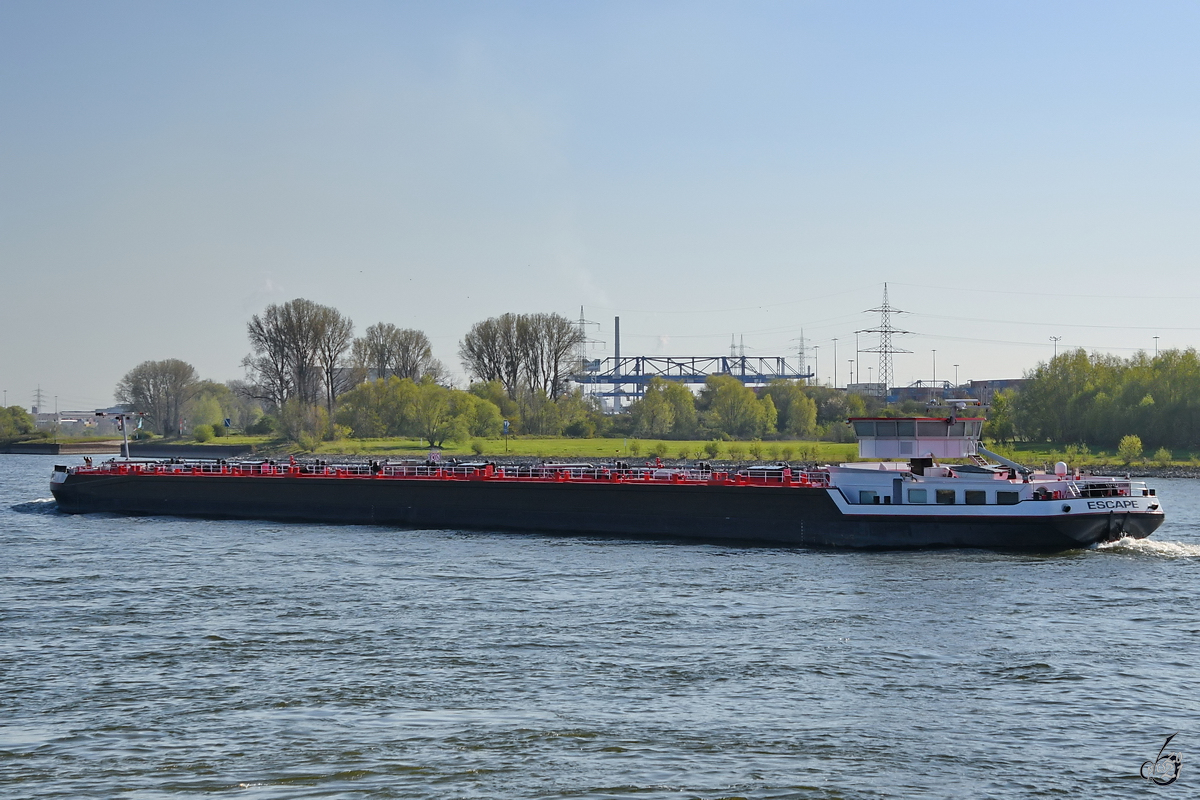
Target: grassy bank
[(554, 448), (1035, 454), (592, 449)]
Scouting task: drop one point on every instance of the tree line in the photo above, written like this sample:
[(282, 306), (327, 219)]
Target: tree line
[(726, 408), (1099, 399), (307, 375)]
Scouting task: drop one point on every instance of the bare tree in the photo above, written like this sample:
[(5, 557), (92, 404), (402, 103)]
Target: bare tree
[(158, 388), (555, 342), (287, 345), (412, 355), (300, 327), (385, 350), (522, 351), (491, 351), (334, 334), (270, 378)]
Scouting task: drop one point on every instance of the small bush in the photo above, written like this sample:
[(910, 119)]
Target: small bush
[(264, 426), (712, 449), (477, 447), (220, 430), (1163, 456), (1076, 454), (786, 454), (659, 450), (737, 452), (581, 429), (635, 447), (682, 454), (756, 450), (307, 442), (202, 433), (773, 452)]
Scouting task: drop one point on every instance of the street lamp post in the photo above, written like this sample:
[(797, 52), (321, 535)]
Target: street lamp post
[(1156, 347), (1056, 340), (835, 362), (933, 384), (851, 360), (956, 376), (817, 362)]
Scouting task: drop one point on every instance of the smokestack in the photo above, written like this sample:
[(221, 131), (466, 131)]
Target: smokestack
[(617, 336)]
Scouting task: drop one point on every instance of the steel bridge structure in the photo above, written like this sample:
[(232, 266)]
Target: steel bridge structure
[(636, 372)]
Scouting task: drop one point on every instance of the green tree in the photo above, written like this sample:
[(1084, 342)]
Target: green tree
[(683, 406), (732, 408), (303, 423), (15, 423), (1000, 425), (796, 409), (653, 415), (1130, 449), (493, 392), (204, 410), (539, 414), (480, 417), (433, 415), (379, 408)]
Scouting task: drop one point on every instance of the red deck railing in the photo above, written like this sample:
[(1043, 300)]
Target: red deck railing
[(543, 473)]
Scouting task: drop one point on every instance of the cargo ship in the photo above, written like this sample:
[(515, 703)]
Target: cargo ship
[(920, 483)]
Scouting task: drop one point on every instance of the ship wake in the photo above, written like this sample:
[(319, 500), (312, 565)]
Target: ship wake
[(43, 505), (1151, 547)]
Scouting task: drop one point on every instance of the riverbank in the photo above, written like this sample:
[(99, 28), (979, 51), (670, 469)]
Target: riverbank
[(532, 449), (43, 448)]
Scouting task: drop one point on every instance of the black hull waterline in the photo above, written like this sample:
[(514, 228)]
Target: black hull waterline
[(750, 514)]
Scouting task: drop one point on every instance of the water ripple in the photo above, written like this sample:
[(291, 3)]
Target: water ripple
[(160, 657)]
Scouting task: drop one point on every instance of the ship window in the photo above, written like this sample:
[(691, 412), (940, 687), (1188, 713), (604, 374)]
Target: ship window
[(1008, 498), (945, 497), (906, 427), (906, 448), (917, 496), (864, 428), (957, 429), (885, 428), (931, 429), (976, 497), (866, 498)]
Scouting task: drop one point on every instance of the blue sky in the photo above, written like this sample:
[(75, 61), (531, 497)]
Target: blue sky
[(1014, 171)]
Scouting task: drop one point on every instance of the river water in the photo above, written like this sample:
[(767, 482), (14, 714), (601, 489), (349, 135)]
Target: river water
[(161, 657)]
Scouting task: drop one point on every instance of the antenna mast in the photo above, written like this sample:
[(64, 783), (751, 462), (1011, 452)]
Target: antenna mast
[(886, 331)]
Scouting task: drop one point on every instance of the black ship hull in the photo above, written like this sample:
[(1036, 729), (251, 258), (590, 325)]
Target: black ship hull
[(750, 514)]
